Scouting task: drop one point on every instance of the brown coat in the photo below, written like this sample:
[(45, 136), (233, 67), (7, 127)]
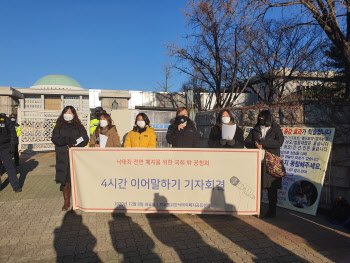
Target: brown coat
[(112, 134)]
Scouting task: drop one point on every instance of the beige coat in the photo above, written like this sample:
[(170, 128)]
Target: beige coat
[(112, 134)]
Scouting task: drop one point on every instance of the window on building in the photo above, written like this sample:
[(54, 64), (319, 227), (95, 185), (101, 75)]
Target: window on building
[(32, 102), (53, 102), (72, 101), (86, 105)]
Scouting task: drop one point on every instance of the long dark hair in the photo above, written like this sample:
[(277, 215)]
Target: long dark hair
[(144, 117), (230, 113), (266, 115), (76, 122)]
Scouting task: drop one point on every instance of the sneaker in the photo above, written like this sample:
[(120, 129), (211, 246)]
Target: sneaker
[(17, 190)]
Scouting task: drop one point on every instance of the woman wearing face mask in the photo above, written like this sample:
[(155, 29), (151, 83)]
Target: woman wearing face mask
[(68, 132), (182, 132), (142, 135), (267, 135), (225, 122), (106, 134)]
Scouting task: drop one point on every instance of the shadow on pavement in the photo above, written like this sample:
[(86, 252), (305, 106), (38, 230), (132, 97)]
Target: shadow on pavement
[(129, 239), (184, 239), (26, 167), (74, 241), (245, 238), (317, 232)]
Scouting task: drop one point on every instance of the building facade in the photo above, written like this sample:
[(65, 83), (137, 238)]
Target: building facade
[(39, 106), (54, 92), (292, 84)]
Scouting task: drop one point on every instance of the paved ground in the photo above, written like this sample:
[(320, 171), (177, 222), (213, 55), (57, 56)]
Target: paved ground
[(34, 229)]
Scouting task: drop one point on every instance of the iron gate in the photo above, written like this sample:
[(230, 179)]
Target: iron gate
[(37, 127)]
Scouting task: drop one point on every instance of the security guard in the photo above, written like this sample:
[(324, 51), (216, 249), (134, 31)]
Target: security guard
[(95, 122), (8, 140), (18, 132)]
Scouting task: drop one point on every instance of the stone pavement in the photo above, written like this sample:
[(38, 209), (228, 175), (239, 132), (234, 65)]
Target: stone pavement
[(34, 229)]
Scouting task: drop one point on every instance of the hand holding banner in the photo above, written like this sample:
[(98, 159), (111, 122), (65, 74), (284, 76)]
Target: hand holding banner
[(191, 180)]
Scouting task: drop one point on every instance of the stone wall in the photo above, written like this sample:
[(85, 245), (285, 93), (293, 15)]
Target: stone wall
[(6, 105), (284, 114), (107, 97), (334, 115), (311, 114), (106, 103), (9, 100)]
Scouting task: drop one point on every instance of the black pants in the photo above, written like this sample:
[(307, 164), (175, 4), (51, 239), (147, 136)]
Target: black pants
[(16, 155), (6, 159), (272, 196)]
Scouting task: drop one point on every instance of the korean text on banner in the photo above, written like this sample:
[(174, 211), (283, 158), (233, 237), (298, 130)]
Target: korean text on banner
[(210, 181), (305, 154)]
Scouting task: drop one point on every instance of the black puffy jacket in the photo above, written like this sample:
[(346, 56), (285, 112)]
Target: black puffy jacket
[(8, 136), (64, 138), (186, 138)]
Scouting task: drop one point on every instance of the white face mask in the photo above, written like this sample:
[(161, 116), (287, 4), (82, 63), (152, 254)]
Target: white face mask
[(13, 119), (68, 117), (225, 120), (103, 123), (141, 124)]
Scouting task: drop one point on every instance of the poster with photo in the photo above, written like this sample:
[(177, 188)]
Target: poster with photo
[(305, 154)]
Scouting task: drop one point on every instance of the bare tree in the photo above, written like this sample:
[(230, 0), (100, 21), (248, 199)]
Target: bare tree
[(167, 73), (194, 83), (333, 16), (214, 49), (283, 53)]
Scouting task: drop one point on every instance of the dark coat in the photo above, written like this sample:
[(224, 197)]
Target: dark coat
[(63, 137), (272, 143), (8, 136), (186, 138), (215, 137)]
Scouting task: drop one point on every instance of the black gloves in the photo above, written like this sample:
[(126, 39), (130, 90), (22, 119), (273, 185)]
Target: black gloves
[(231, 142), (223, 142), (71, 141)]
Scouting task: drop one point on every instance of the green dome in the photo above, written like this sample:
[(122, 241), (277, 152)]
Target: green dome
[(57, 79)]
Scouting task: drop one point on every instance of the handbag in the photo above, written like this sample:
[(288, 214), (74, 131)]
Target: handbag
[(274, 165)]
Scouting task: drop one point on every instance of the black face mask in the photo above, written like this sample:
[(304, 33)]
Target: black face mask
[(181, 119), (261, 122)]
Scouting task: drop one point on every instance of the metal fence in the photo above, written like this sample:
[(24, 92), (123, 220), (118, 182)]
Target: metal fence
[(37, 127)]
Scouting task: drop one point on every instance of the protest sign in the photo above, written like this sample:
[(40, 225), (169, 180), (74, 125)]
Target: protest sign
[(305, 154), (210, 181)]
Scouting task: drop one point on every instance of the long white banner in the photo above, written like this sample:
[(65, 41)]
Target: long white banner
[(199, 181)]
